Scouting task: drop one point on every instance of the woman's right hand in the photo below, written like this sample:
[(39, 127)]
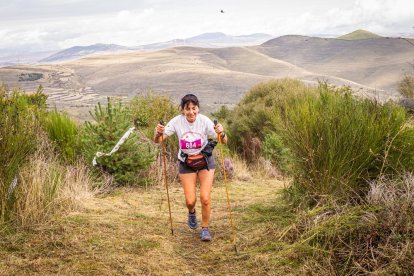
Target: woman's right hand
[(159, 130)]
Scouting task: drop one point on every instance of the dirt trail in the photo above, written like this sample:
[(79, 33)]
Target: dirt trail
[(128, 233)]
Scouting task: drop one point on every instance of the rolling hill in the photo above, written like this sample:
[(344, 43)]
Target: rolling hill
[(221, 75), (81, 51), (358, 34), (211, 40)]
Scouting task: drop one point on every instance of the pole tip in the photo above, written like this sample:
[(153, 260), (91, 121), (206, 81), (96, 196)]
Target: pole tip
[(236, 250)]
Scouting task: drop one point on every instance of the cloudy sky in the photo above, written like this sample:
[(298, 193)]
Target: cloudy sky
[(58, 24)]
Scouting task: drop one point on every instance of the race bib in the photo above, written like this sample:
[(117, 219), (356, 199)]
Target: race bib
[(191, 142), (184, 144)]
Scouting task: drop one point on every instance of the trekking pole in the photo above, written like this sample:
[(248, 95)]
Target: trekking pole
[(227, 189), (165, 177)]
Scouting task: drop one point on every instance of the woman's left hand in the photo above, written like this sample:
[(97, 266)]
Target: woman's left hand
[(218, 128)]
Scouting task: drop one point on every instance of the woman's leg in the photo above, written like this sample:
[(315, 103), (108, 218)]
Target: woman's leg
[(188, 181), (206, 182)]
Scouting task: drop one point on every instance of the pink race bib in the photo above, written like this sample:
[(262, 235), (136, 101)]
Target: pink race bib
[(196, 144)]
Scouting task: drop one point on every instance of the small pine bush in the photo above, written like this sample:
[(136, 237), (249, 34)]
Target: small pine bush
[(129, 164)]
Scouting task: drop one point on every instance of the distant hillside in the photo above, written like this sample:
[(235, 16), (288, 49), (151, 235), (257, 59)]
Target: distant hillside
[(219, 76), (358, 34), (19, 56), (378, 62), (81, 51), (229, 40), (209, 40)]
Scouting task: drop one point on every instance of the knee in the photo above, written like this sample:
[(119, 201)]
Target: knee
[(205, 199), (190, 202)]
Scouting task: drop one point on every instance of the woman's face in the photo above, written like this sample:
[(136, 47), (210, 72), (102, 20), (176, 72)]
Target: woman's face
[(190, 111)]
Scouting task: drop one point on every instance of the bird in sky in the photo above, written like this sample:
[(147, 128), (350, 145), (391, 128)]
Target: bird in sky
[(222, 11)]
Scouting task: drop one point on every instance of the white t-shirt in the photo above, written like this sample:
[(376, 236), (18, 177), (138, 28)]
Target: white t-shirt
[(192, 137)]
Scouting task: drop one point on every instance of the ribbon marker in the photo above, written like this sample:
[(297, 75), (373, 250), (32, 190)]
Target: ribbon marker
[(115, 149)]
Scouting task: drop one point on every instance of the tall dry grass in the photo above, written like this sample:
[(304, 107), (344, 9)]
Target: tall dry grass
[(45, 187), (374, 237)]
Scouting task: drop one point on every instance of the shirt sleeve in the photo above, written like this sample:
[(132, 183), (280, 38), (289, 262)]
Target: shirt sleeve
[(170, 127)]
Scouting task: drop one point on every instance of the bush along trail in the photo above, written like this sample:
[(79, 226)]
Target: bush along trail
[(321, 183)]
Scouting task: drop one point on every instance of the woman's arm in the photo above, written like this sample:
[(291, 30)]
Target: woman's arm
[(159, 133), (218, 128)]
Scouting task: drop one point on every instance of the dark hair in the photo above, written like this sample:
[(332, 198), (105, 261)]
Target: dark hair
[(189, 98)]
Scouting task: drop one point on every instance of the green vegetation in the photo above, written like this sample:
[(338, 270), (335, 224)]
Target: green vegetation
[(373, 237), (256, 115), (337, 148), (63, 132), (330, 141), (222, 114), (406, 87), (148, 109), (18, 139), (358, 34), (34, 182), (30, 76), (346, 208), (340, 142), (274, 148), (131, 161)]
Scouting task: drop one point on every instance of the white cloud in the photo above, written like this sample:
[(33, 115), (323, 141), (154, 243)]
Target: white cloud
[(51, 24), (381, 16)]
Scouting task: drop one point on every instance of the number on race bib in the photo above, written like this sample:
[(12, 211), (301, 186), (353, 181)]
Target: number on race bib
[(191, 145)]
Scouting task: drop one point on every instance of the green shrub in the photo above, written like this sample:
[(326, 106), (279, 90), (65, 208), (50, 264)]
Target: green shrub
[(19, 133), (406, 87), (63, 132), (275, 150), (30, 76), (222, 114), (339, 142), (147, 110), (128, 165), (257, 115)]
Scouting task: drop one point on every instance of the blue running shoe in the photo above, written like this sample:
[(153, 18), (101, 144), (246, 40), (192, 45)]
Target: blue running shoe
[(205, 234), (192, 220)]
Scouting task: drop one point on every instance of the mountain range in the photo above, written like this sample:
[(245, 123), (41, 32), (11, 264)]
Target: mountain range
[(372, 66), (208, 40)]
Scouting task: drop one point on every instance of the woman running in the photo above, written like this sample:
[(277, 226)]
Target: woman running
[(195, 156)]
